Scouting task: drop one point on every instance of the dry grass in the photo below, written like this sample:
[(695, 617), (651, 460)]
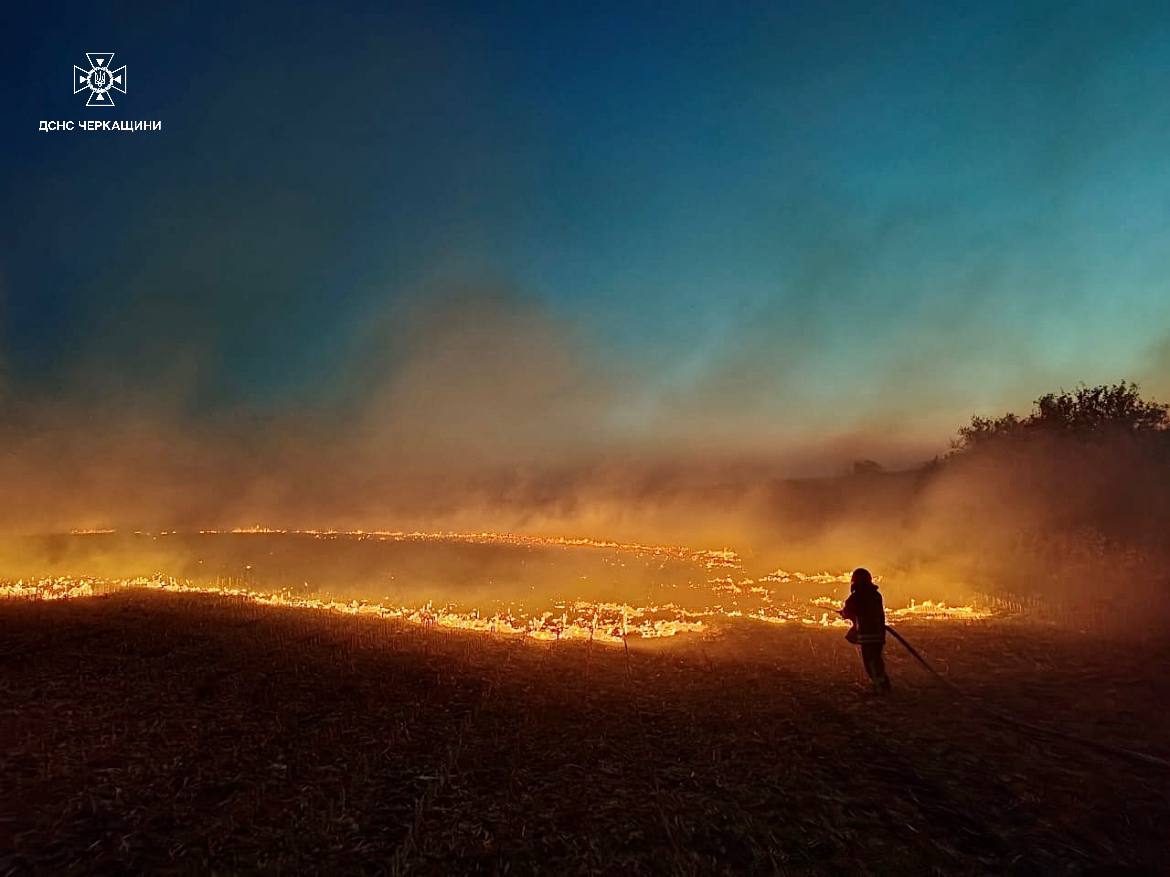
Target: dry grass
[(153, 732)]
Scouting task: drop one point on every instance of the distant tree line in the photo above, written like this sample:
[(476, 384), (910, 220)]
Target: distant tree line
[(1102, 412), (1076, 492)]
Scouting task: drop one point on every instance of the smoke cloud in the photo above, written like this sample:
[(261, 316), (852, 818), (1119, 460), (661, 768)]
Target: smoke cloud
[(479, 410)]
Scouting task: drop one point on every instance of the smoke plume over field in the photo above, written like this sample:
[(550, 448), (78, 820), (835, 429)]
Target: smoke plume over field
[(483, 412)]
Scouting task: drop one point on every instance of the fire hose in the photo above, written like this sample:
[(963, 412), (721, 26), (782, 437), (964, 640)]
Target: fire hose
[(1119, 751)]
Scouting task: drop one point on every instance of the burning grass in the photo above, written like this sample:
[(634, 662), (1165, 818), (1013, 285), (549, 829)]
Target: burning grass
[(539, 587), (606, 623), (154, 730)]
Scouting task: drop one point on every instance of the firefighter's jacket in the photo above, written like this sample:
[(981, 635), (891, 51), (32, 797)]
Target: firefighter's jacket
[(864, 608)]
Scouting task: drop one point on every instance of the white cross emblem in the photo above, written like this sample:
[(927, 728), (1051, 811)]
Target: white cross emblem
[(99, 79)]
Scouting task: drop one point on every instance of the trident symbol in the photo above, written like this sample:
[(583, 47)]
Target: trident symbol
[(99, 79)]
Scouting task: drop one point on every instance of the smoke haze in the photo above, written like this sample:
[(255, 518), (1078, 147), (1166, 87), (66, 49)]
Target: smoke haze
[(625, 274), (479, 411)]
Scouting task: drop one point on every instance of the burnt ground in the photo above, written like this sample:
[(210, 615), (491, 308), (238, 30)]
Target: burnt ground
[(154, 732)]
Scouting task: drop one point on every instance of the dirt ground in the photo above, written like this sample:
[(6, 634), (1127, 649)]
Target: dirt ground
[(170, 733)]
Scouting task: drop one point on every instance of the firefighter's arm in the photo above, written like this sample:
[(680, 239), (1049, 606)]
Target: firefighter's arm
[(848, 611)]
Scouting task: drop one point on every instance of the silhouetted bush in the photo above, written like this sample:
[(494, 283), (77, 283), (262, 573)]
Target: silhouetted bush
[(1104, 412), (1073, 494)]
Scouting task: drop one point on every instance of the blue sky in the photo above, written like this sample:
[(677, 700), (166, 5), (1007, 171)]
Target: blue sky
[(763, 219)]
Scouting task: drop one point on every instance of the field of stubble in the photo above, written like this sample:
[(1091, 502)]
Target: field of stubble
[(177, 733)]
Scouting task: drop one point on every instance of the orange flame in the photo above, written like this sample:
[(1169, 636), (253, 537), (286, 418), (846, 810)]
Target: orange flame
[(578, 620)]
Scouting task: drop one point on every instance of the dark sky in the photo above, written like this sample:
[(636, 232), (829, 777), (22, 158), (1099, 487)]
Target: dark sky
[(775, 219)]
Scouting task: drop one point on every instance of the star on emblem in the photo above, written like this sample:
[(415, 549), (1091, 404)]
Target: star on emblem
[(99, 79)]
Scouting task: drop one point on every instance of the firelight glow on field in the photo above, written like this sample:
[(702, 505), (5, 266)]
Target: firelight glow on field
[(728, 594)]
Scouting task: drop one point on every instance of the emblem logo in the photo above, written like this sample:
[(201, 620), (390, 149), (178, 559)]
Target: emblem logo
[(99, 79)]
